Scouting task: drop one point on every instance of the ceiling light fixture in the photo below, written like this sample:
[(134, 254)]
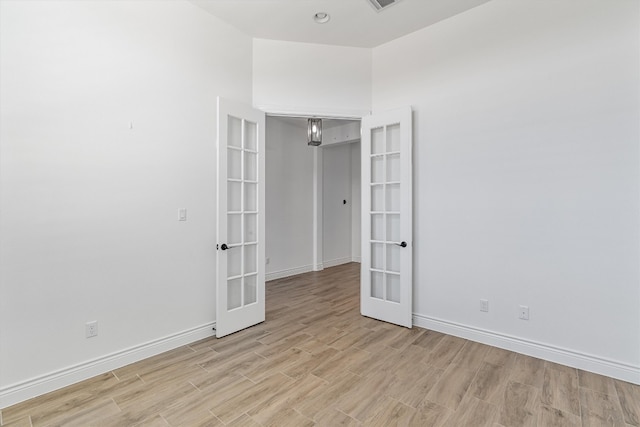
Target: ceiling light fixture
[(314, 132), (321, 17)]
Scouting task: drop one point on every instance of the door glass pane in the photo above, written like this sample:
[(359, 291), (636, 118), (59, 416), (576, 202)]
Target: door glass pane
[(250, 289), (250, 259), (250, 197), (377, 140), (234, 262), (393, 228), (234, 294), (393, 168), (234, 163), (234, 229), (250, 136), (393, 198), (250, 166), (377, 285), (377, 227), (234, 132), (393, 257), (393, 137), (234, 202), (393, 287), (377, 256), (377, 169), (250, 228), (377, 198)]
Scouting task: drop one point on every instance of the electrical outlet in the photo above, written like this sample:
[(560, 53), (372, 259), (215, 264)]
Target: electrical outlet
[(484, 305), (91, 329), (523, 312), (268, 260), (182, 214)]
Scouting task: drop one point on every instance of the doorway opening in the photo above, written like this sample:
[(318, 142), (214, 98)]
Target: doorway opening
[(313, 206)]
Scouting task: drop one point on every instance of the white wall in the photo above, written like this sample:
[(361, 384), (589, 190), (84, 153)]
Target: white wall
[(302, 78), (526, 174), (336, 215), (289, 199), (89, 218)]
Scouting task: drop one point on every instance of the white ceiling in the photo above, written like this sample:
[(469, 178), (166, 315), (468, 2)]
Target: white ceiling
[(353, 22)]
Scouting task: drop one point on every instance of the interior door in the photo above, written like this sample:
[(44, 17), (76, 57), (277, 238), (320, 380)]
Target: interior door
[(386, 270), (240, 286)]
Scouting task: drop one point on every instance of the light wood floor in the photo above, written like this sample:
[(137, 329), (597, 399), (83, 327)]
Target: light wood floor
[(316, 361)]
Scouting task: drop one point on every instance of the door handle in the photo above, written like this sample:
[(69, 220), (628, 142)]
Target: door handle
[(224, 246), (402, 244)]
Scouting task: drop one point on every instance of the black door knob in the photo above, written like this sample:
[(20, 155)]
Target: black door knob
[(224, 247), (403, 244)]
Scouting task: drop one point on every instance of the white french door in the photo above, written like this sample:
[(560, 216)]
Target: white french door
[(386, 271), (240, 286)]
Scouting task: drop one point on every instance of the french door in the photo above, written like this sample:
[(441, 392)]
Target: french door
[(386, 277), (240, 285)]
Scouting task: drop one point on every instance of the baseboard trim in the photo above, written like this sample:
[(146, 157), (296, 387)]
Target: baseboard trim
[(334, 262), (356, 259), (288, 272), (586, 362), (19, 392)]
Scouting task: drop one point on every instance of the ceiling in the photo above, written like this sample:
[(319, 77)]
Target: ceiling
[(353, 22)]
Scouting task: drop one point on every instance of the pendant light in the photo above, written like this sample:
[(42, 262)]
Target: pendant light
[(314, 132)]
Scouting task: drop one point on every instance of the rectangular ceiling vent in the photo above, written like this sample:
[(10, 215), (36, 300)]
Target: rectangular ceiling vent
[(379, 5)]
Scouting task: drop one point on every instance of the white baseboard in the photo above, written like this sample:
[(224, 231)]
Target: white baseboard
[(334, 262), (289, 272), (586, 362), (19, 392), (307, 268), (356, 259)]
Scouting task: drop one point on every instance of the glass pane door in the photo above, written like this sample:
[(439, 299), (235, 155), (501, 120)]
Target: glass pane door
[(386, 276), (240, 225)]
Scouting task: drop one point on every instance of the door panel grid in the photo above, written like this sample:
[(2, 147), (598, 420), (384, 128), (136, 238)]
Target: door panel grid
[(385, 218), (242, 216)]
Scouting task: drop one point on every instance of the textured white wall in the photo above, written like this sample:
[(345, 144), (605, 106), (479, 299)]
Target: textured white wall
[(289, 197), (302, 78), (526, 170), (89, 218)]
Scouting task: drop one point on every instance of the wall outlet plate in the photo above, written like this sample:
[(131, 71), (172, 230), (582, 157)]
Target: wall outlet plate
[(484, 305), (523, 312), (91, 329)]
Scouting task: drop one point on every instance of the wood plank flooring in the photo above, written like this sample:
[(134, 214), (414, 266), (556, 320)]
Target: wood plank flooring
[(316, 361)]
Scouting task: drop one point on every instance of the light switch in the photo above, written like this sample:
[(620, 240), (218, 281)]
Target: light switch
[(183, 214)]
